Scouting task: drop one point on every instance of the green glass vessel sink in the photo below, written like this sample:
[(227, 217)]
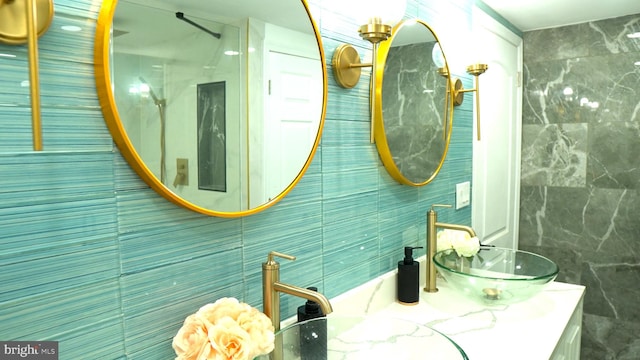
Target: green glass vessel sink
[(362, 337), (496, 276)]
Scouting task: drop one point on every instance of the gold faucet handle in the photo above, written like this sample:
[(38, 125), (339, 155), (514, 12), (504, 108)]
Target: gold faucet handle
[(270, 257), (440, 205)]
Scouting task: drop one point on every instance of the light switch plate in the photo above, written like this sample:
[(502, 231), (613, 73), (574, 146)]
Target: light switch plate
[(463, 194)]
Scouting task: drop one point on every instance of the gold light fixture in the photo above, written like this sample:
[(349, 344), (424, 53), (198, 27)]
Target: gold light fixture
[(16, 30), (346, 60), (458, 90)]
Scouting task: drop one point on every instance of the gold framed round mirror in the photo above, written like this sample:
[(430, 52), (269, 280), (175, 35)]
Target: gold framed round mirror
[(218, 106), (414, 108)]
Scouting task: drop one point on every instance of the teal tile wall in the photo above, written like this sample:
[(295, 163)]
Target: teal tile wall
[(91, 257)]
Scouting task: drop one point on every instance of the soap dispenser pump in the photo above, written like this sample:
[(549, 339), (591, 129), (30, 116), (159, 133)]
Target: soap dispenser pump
[(312, 330), (408, 292)]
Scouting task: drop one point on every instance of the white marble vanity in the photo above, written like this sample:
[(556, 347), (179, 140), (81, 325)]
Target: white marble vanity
[(547, 326)]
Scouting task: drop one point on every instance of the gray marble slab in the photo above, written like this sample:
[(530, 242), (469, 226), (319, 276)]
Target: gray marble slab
[(579, 200)]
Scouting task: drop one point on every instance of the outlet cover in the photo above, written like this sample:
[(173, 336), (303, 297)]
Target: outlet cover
[(463, 194)]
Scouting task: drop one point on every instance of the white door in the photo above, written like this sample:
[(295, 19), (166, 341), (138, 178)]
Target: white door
[(294, 105), (496, 157)]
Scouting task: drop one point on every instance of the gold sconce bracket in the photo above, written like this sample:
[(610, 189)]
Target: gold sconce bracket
[(346, 66), (14, 25), (458, 90)]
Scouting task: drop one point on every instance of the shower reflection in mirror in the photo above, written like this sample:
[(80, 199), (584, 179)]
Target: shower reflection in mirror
[(175, 92)]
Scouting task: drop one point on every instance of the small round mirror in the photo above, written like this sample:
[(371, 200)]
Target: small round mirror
[(414, 109)]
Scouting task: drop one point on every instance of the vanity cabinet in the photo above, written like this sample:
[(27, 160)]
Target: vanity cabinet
[(568, 347)]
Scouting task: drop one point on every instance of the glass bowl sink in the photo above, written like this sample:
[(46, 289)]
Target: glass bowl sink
[(496, 276), (362, 337)]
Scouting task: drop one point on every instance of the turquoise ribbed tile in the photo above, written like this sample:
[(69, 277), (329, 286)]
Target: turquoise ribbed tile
[(360, 248), (281, 220), (79, 266), (303, 244), (344, 133), (125, 177), (58, 44), (159, 325), (102, 339), (338, 209), (172, 238), (61, 310), (397, 227), (348, 231), (346, 105), (138, 210), (315, 167), (22, 245), (56, 173), (160, 287), (361, 271), (340, 184), (396, 195), (161, 350), (114, 268), (348, 158), (309, 188)]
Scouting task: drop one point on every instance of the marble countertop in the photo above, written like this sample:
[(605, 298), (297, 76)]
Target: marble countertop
[(527, 330)]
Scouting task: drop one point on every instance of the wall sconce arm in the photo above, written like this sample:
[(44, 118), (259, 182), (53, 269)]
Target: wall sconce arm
[(458, 91), (16, 30)]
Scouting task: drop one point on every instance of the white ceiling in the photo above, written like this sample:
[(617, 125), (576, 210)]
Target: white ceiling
[(529, 15)]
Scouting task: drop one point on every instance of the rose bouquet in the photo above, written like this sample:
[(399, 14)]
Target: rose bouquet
[(224, 330), (459, 241)]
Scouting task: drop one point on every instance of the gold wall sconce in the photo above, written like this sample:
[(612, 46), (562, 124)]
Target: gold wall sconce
[(346, 60), (458, 90), (16, 29)]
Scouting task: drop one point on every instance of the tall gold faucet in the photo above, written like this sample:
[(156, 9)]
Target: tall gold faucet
[(432, 226), (271, 286)]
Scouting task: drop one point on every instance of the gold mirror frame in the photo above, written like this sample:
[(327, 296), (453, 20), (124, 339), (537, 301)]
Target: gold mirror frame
[(380, 135), (112, 118)]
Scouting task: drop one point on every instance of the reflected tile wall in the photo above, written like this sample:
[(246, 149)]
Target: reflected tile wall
[(413, 94), (581, 171)]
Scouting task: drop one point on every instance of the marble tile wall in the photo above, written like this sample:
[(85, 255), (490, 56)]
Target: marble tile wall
[(415, 121), (580, 201)]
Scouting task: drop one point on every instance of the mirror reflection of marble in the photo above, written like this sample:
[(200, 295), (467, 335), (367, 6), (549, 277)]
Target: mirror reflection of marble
[(218, 106), (414, 112)]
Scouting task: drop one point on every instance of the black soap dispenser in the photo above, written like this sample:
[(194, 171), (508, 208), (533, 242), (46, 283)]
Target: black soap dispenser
[(313, 333), (408, 278)]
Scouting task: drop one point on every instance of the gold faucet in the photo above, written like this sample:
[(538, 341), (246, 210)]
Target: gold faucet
[(432, 225), (271, 286)]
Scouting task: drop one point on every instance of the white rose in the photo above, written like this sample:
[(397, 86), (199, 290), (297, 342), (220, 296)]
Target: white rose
[(443, 241), (466, 245)]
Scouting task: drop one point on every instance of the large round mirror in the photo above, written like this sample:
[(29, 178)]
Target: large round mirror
[(414, 107), (217, 105)]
